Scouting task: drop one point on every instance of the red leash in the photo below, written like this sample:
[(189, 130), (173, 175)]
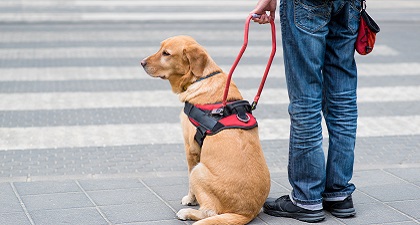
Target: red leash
[(270, 60)]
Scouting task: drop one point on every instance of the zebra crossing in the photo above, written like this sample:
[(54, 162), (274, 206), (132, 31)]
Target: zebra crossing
[(63, 66)]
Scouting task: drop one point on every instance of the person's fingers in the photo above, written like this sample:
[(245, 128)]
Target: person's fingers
[(265, 19), (273, 14)]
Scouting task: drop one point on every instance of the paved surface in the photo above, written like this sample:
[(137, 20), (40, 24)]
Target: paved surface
[(88, 138)]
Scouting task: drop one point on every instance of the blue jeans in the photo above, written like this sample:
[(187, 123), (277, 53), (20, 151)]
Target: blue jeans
[(318, 39)]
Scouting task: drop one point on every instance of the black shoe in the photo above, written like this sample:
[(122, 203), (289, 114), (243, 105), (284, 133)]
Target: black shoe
[(284, 207), (341, 209)]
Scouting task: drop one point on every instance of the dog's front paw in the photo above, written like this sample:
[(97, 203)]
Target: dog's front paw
[(183, 214), (189, 200)]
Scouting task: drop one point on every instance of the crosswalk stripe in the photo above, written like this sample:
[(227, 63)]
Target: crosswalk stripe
[(130, 52), (170, 133), (374, 4), (114, 3), (79, 100), (136, 72), (125, 16)]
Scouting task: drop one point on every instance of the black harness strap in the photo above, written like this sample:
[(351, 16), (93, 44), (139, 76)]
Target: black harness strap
[(207, 120), (203, 120)]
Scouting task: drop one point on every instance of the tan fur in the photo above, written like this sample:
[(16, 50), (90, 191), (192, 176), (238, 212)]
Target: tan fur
[(228, 176)]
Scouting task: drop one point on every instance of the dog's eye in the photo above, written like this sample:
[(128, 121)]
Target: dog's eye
[(165, 53)]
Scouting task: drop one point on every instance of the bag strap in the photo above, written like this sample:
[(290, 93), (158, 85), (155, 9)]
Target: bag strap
[(368, 20)]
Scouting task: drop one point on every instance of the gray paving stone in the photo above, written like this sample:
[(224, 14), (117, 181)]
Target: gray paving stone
[(16, 218), (68, 216), (408, 207), (376, 213), (148, 158), (367, 178), (257, 221), (174, 192), (404, 223), (168, 181), (176, 205), (362, 198), (97, 185), (140, 212), (46, 187), (408, 174), (272, 220), (393, 192), (122, 196), (56, 201), (282, 182), (160, 222), (9, 203)]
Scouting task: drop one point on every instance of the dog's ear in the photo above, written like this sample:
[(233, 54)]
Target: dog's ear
[(197, 58)]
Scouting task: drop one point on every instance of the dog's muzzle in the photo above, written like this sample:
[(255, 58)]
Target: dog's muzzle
[(143, 63)]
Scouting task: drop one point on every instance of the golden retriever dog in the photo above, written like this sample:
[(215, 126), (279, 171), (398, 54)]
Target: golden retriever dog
[(228, 175)]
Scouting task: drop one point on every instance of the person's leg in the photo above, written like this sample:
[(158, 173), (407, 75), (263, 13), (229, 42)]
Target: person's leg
[(339, 106), (304, 30)]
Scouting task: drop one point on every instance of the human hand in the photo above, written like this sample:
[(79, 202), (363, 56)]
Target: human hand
[(262, 7)]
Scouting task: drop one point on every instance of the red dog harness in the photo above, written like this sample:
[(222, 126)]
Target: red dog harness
[(211, 119)]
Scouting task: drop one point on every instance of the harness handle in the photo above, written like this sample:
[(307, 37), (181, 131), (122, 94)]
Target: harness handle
[(270, 60)]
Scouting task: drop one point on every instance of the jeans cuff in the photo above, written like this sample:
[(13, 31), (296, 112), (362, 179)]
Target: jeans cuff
[(312, 207)]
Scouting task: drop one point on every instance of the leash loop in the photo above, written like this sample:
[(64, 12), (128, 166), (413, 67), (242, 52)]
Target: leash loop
[(238, 58)]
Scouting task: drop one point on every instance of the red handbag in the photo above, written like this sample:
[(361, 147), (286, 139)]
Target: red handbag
[(367, 32)]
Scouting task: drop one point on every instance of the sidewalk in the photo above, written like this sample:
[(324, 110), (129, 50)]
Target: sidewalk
[(388, 195), (155, 200)]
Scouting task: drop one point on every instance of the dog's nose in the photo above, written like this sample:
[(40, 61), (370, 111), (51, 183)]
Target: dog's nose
[(143, 63)]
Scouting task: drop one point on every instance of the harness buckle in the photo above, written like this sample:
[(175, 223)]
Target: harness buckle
[(218, 111)]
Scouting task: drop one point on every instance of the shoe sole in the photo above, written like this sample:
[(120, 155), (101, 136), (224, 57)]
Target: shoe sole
[(343, 213), (309, 218)]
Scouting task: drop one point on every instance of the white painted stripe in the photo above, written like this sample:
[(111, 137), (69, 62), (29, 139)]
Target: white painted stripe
[(271, 129), (82, 100), (374, 4), (126, 3), (155, 16), (379, 50), (388, 69), (170, 133), (136, 72), (72, 73), (126, 52), (124, 16), (168, 16), (132, 35), (79, 100), (84, 136), (130, 52)]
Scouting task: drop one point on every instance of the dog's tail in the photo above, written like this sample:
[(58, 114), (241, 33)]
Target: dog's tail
[(224, 219)]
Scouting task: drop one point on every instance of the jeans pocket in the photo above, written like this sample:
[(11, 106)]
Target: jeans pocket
[(354, 16), (311, 15)]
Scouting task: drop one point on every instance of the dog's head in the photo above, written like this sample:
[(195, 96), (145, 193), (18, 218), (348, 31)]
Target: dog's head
[(181, 60)]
